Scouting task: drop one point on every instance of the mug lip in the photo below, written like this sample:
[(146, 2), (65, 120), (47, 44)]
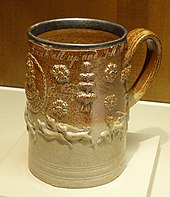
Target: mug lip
[(81, 23)]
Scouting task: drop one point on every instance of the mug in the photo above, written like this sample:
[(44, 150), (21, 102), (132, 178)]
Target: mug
[(78, 104)]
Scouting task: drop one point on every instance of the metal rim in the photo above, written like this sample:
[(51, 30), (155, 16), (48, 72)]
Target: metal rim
[(84, 23)]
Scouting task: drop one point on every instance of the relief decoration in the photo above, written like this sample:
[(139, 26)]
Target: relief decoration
[(111, 72), (60, 73), (114, 129), (86, 86), (35, 86), (63, 133)]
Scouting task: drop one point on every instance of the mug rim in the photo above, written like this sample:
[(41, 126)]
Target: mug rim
[(84, 23)]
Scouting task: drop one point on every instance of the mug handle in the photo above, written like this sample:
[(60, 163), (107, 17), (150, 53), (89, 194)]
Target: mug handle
[(151, 64)]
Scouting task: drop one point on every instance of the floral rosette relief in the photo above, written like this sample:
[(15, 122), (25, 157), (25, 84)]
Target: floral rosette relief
[(61, 73), (59, 108)]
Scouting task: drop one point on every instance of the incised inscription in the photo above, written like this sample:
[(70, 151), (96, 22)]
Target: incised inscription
[(72, 59)]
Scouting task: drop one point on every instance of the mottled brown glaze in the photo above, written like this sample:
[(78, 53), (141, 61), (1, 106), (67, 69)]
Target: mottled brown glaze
[(78, 108), (78, 36)]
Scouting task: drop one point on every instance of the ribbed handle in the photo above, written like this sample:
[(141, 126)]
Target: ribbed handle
[(153, 58)]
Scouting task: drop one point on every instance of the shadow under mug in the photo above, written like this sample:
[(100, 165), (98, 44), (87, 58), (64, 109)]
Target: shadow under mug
[(77, 99)]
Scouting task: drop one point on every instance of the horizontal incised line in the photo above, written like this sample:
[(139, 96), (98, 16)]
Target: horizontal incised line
[(76, 169)]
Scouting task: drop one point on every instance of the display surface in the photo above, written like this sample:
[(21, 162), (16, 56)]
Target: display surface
[(155, 121), (78, 104)]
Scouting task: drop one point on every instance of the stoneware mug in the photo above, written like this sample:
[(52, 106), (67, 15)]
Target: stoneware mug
[(77, 99)]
